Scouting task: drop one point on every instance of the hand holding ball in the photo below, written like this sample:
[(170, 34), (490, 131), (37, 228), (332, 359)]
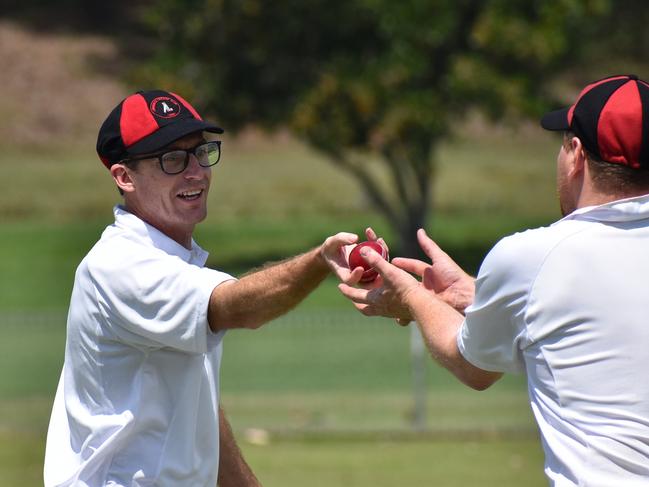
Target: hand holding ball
[(356, 260)]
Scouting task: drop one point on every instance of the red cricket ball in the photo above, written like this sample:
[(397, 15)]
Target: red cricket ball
[(356, 260)]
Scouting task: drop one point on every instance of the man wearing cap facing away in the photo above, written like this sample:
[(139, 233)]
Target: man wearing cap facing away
[(138, 399), (567, 304)]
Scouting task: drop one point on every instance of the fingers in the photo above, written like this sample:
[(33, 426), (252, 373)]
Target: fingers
[(390, 275), (385, 246), (346, 275), (333, 250), (430, 248), (428, 279), (342, 238), (360, 298), (371, 256), (360, 306), (414, 266), (375, 260), (357, 295), (370, 234), (419, 268), (354, 277)]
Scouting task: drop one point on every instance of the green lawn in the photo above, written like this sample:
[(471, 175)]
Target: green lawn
[(385, 462), (350, 461), (333, 391)]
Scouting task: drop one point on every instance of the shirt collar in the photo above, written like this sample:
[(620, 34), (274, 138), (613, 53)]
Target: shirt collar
[(130, 222), (628, 209)]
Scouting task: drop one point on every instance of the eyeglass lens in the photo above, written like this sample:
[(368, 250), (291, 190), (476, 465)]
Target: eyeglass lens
[(176, 161)]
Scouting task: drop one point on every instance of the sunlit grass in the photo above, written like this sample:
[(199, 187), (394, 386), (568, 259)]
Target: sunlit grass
[(390, 462)]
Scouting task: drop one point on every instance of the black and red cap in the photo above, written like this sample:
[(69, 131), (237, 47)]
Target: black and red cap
[(145, 122), (611, 118)]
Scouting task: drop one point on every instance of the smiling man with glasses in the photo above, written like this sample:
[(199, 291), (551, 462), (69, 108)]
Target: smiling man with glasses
[(138, 399)]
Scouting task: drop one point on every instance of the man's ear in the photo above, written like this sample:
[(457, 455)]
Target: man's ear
[(578, 159), (122, 177)]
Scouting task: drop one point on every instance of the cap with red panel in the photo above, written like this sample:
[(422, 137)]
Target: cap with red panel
[(145, 122), (611, 118)]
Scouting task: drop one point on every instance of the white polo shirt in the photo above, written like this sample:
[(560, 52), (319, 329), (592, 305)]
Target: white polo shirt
[(137, 402), (569, 305)]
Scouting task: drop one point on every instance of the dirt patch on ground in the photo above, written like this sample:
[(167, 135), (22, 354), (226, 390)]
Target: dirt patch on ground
[(52, 91), (58, 88)]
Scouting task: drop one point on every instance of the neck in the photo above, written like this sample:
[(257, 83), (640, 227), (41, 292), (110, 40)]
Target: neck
[(590, 194), (184, 238), (181, 234), (595, 198)]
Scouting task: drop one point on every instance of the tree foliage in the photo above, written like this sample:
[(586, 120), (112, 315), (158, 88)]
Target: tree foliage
[(368, 80)]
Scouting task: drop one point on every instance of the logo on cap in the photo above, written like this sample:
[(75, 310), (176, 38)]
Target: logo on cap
[(164, 107)]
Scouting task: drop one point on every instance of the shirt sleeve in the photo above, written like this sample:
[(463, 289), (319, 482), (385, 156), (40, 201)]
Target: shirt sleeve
[(494, 331), (155, 300)]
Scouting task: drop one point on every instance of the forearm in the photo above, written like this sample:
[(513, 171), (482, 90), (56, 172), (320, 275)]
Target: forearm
[(233, 469), (266, 293), (439, 324)]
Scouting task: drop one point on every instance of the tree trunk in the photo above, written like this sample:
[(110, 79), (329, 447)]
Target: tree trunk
[(416, 170), (415, 218), (407, 208)]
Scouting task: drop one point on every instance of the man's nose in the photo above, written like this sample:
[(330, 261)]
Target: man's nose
[(194, 170)]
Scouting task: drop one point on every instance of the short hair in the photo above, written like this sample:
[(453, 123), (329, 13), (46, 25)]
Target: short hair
[(615, 178)]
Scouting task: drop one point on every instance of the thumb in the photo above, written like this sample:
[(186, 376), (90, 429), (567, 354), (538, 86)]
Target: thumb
[(429, 278), (345, 238), (373, 258)]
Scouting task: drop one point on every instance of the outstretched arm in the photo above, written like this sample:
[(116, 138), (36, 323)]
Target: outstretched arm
[(403, 297), (233, 469), (267, 293)]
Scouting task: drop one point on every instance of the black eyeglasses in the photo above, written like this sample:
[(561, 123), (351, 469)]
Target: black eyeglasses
[(174, 162)]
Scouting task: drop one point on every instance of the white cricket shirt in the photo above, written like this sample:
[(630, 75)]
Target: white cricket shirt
[(137, 401), (569, 305)]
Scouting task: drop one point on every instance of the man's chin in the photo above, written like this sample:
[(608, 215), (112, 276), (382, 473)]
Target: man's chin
[(196, 217), (192, 213)]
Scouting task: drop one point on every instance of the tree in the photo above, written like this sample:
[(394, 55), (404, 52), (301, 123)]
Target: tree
[(370, 82)]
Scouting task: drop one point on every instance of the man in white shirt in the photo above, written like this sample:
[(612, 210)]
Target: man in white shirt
[(566, 304), (138, 399)]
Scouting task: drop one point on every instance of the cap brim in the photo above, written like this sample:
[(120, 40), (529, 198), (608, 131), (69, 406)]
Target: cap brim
[(171, 133), (556, 120)]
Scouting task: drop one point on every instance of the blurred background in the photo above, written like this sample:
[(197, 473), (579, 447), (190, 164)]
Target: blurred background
[(339, 115)]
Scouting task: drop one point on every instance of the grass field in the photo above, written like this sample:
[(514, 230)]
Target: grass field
[(331, 388)]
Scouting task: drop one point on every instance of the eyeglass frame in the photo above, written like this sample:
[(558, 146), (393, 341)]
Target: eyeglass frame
[(159, 155)]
